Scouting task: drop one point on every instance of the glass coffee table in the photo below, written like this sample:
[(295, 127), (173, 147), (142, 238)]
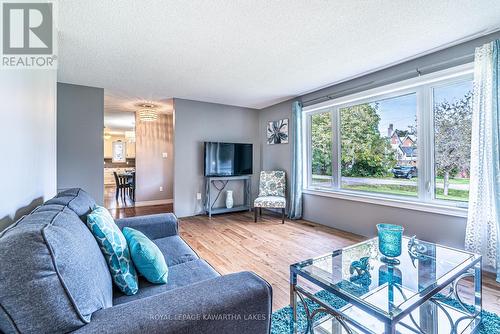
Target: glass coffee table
[(419, 295)]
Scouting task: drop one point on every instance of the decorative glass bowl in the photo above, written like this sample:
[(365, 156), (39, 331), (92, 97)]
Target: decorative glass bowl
[(390, 238)]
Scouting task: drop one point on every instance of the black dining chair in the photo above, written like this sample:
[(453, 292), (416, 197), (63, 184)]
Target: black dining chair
[(122, 186), (131, 188)]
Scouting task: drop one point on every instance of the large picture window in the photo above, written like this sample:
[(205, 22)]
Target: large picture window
[(321, 149), (409, 142), (452, 139), (379, 146)]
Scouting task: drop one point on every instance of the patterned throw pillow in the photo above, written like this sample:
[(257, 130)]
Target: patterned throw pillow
[(147, 257), (272, 183), (114, 248)]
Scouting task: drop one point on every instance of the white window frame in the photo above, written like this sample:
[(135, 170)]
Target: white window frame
[(422, 86)]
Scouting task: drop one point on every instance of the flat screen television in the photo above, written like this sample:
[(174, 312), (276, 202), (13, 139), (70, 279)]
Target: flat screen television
[(228, 159)]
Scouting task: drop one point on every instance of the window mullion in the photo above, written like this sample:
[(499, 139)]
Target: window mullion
[(431, 163), (425, 133)]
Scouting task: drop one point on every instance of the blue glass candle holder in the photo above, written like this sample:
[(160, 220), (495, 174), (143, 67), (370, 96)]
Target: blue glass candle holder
[(390, 238)]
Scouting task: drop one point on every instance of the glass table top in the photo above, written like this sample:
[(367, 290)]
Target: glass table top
[(359, 274)]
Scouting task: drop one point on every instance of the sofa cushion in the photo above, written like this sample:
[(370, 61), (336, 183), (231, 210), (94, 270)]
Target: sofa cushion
[(114, 248), (147, 257), (175, 250), (178, 276), (53, 272), (77, 200)]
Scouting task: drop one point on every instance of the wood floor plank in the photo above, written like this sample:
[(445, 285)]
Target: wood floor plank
[(234, 242), (118, 213)]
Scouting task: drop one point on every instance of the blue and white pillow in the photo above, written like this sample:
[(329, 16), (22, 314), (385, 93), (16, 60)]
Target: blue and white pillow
[(114, 248)]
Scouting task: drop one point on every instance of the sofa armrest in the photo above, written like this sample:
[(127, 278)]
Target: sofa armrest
[(236, 303), (153, 226)]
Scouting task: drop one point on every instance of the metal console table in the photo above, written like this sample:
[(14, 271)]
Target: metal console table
[(211, 180)]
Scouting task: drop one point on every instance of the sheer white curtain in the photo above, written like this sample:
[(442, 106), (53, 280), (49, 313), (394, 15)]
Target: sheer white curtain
[(483, 229)]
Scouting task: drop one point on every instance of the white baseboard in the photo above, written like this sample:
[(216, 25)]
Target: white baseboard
[(156, 202)]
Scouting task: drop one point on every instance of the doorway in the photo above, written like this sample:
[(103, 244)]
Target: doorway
[(119, 159)]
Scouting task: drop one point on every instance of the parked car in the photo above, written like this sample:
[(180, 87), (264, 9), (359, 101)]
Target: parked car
[(404, 171)]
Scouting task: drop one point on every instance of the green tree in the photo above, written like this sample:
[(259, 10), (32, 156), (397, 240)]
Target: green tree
[(321, 133), (453, 129), (364, 151)]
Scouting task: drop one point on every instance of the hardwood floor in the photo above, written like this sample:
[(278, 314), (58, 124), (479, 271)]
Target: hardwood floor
[(110, 201), (126, 207), (140, 210), (233, 242)]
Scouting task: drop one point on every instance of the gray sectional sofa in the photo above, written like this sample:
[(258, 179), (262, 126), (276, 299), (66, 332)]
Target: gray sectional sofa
[(54, 279)]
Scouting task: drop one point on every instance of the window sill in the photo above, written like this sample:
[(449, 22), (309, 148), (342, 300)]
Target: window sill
[(388, 201)]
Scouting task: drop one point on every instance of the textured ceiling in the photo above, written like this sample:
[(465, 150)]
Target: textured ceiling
[(250, 53), (119, 121), (119, 109)]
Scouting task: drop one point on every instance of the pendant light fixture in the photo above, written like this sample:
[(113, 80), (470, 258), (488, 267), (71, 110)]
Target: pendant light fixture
[(148, 112)]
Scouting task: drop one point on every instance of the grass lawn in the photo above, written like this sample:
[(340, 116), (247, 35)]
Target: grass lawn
[(453, 181), (384, 188), (318, 180), (406, 190), (438, 179), (414, 179), (453, 195)]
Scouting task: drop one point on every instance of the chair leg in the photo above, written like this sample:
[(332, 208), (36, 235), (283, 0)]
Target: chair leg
[(255, 214), (260, 212), (282, 215), (117, 192)]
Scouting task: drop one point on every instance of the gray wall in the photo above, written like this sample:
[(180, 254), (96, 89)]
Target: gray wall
[(27, 141), (80, 147), (152, 169), (276, 157), (196, 122), (360, 217)]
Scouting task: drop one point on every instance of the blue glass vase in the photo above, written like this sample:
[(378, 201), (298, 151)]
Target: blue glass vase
[(390, 238)]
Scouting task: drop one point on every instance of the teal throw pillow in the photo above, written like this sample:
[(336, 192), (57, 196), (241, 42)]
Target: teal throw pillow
[(147, 257), (114, 248)]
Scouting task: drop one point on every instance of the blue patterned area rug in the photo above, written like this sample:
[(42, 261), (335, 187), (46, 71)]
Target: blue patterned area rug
[(280, 323)]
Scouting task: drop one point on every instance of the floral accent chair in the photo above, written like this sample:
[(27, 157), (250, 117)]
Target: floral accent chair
[(271, 192)]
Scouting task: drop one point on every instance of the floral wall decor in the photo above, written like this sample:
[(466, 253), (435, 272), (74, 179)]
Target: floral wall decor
[(277, 132)]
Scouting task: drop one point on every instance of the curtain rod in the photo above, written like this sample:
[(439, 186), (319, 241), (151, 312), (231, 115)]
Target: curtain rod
[(418, 71)]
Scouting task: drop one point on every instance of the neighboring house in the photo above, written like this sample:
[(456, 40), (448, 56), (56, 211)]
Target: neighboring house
[(409, 141), (395, 140), (407, 156), (405, 147)]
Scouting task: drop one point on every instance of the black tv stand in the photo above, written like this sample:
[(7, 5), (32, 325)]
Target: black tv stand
[(209, 182)]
